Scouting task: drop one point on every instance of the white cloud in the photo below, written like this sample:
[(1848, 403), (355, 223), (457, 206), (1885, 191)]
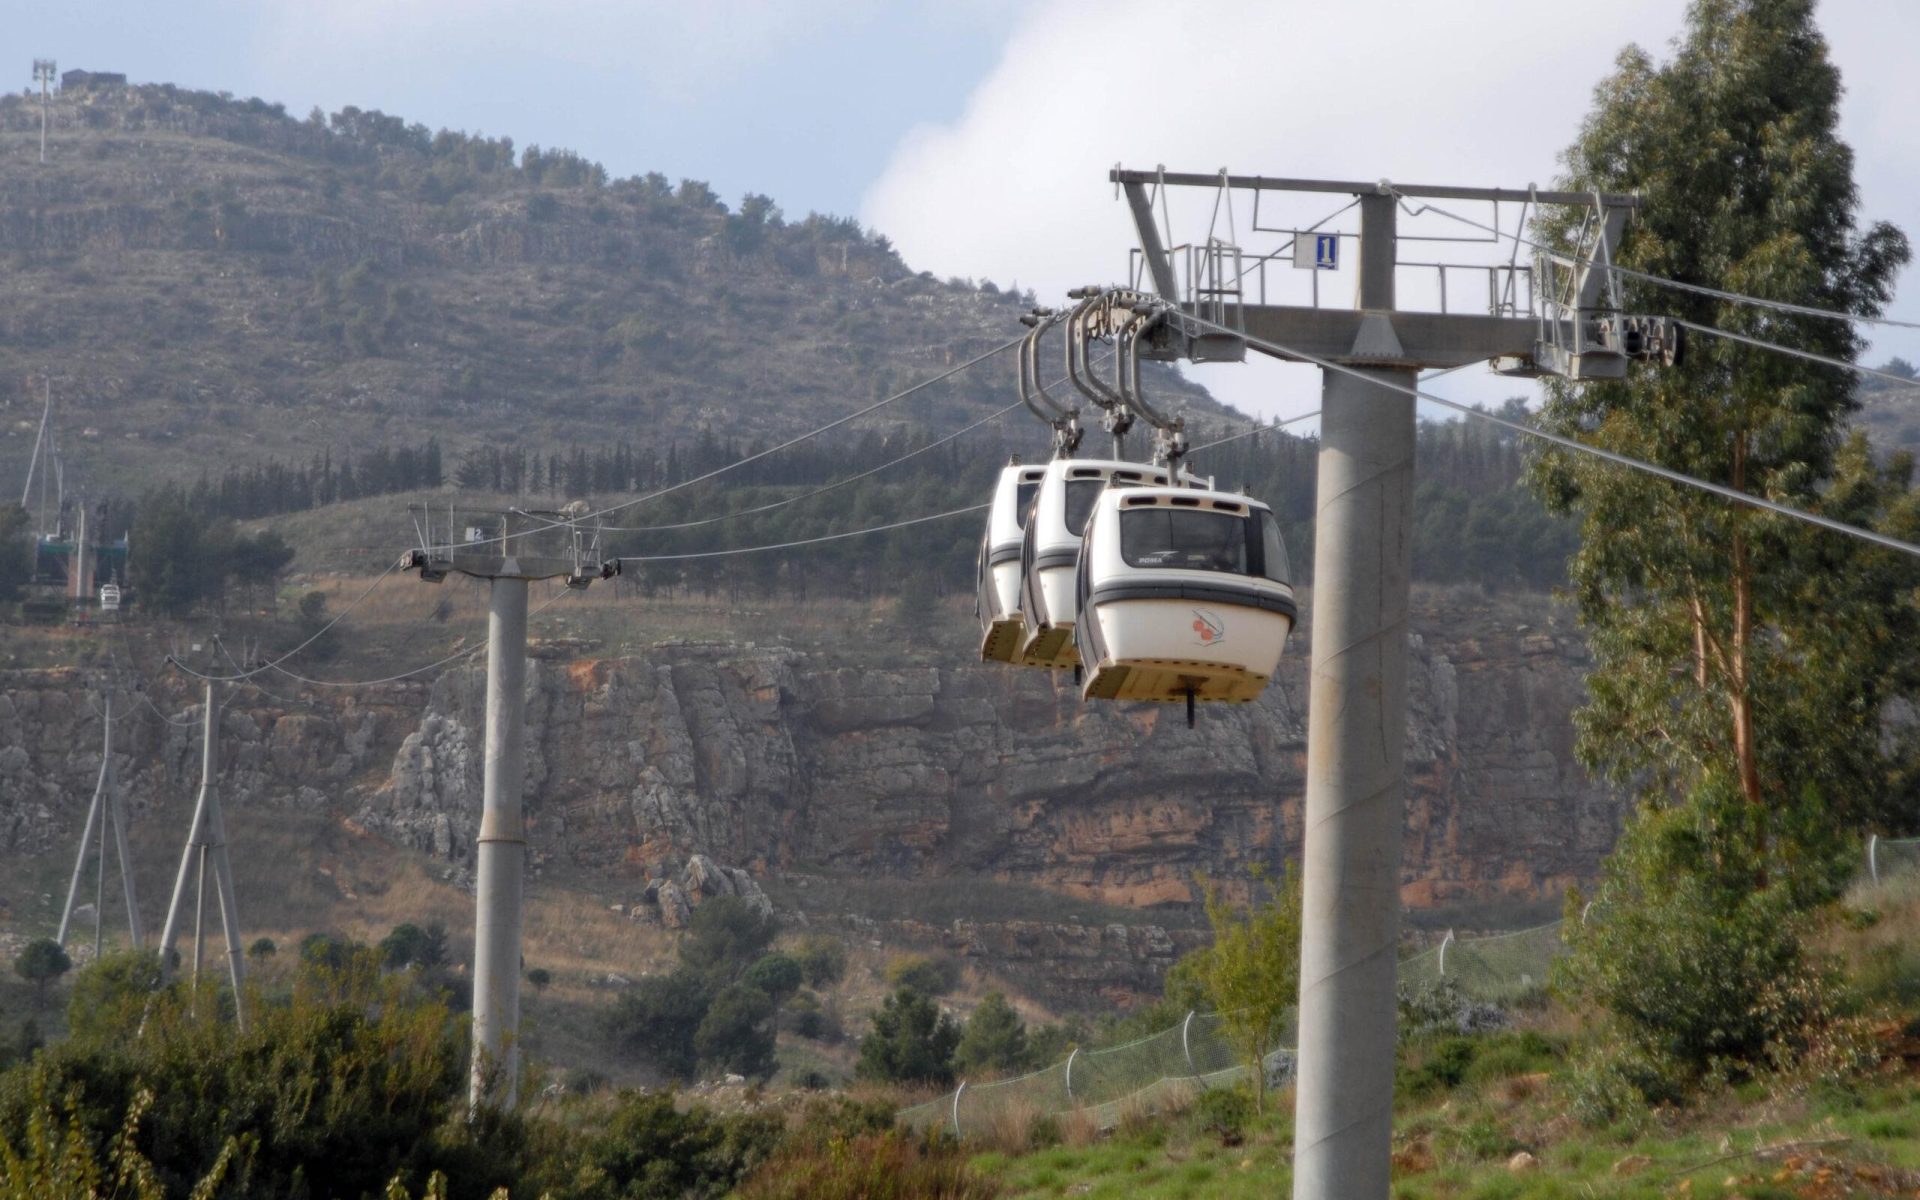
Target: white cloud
[(1487, 93)]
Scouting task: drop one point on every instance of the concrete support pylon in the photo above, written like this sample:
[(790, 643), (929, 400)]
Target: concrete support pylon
[(502, 854), (1356, 758)]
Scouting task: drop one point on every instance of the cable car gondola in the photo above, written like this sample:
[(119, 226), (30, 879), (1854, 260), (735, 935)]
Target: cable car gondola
[(1050, 549), (997, 602), (1182, 594)]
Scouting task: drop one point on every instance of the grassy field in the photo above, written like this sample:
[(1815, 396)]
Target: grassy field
[(1465, 1142)]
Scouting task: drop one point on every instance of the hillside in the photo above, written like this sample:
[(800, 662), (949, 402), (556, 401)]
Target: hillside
[(212, 281)]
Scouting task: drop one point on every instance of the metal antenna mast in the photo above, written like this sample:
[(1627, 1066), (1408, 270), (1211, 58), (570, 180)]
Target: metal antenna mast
[(207, 847), (106, 810), (43, 69), (1357, 698), (508, 550)]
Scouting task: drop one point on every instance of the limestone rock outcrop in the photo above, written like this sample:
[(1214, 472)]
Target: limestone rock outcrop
[(707, 769)]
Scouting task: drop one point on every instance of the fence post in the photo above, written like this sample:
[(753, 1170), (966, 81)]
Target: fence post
[(956, 1109), (1873, 858), (1444, 943), (1070, 1058), (1186, 1048)]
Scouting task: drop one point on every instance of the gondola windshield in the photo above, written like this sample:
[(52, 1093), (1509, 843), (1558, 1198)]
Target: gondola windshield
[(1193, 540)]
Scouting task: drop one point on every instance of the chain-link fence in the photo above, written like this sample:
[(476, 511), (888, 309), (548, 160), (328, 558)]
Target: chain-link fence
[(1104, 1082), (1893, 861), (1500, 969), (1147, 1073)]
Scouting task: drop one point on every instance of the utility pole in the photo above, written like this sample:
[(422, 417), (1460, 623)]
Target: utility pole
[(508, 550), (105, 811), (1558, 323), (207, 848), (43, 69)]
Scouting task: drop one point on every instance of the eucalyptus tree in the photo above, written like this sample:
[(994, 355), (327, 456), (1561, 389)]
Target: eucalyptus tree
[(1743, 662)]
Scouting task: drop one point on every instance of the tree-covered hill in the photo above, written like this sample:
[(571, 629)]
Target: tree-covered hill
[(212, 282)]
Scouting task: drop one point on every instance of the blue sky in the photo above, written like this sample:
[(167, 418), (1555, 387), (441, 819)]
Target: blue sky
[(977, 133), (803, 102)]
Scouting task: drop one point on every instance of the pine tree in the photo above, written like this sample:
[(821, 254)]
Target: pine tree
[(995, 1040)]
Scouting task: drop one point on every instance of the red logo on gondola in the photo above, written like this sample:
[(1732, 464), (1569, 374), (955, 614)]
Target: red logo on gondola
[(1208, 629)]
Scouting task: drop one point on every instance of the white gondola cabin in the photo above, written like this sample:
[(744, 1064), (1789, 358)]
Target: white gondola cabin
[(1182, 595), (997, 602), (1050, 549)]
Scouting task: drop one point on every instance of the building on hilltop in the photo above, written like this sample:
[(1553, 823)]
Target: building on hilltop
[(91, 79)]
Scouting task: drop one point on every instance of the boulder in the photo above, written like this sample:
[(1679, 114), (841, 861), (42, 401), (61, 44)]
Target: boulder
[(675, 912)]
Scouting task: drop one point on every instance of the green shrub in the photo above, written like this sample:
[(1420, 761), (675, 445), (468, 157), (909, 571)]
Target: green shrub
[(332, 1091), (822, 959), (825, 1118), (890, 1166), (1701, 974), (776, 974), (408, 945), (808, 1018), (657, 1020), (928, 976), (736, 1034), (1503, 1056), (725, 937), (1438, 1066), (1223, 1112), (650, 1150)]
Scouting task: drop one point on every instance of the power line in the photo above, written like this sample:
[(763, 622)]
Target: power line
[(831, 537), (1805, 310), (838, 483), (1672, 476)]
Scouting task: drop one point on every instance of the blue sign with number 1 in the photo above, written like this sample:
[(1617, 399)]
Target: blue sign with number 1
[(1326, 251)]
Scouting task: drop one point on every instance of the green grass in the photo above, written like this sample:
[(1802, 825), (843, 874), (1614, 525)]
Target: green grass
[(1455, 1144)]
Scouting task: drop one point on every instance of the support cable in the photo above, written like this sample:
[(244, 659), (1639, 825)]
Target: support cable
[(456, 656), (793, 500), (274, 663), (357, 683), (1809, 355), (1805, 310), (1579, 447), (1244, 433), (316, 636), (877, 405), (838, 483), (1234, 437), (821, 490), (831, 537)]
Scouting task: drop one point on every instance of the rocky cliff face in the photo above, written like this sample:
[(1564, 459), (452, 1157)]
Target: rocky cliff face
[(773, 757), (785, 761)]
